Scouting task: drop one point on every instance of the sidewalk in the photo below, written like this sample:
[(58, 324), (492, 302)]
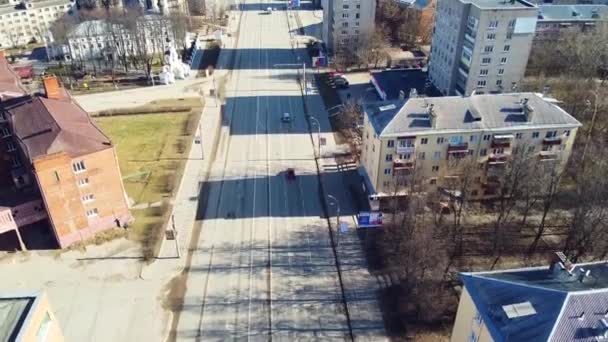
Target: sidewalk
[(185, 203), (360, 287)]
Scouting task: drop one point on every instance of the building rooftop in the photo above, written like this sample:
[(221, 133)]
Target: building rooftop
[(45, 126), (457, 114), (13, 313), (10, 85), (487, 4), (389, 83), (10, 8), (561, 13), (558, 303)]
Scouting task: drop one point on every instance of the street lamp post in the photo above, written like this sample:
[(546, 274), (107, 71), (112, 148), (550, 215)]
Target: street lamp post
[(316, 122), (592, 124), (337, 218)]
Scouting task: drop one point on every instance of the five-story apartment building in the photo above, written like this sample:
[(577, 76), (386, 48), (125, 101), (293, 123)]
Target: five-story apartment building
[(429, 136), (347, 23)]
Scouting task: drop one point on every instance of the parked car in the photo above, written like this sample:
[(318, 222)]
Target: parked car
[(341, 82), (286, 117)]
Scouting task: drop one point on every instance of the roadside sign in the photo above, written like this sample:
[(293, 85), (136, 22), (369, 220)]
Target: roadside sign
[(369, 219)]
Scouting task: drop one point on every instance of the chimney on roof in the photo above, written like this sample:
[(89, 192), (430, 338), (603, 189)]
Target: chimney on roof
[(432, 115), (527, 109), (558, 261), (52, 89)]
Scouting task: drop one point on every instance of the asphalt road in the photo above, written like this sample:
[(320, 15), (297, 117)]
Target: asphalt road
[(263, 268)]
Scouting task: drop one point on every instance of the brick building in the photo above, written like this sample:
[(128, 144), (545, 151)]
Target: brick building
[(56, 167)]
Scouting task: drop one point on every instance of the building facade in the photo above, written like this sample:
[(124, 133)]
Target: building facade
[(97, 39), (347, 23), (429, 137), (22, 22), (28, 317), (481, 46), (557, 302), (57, 168)]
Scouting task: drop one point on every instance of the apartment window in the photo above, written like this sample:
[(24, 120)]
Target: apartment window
[(486, 60), (491, 36), (387, 171), (483, 72), (440, 140), (499, 83), (424, 141), (473, 138), (535, 135), (546, 148), (506, 48), (344, 24), (10, 147), (499, 150), (390, 143), (519, 135), (531, 149), (551, 134), (483, 152), (512, 22), (389, 157), (92, 212), (345, 6), (435, 168), (503, 60), (421, 155), (567, 133), (88, 198), (437, 155), (501, 71), (357, 16), (15, 162), (481, 84), (493, 24), (433, 181), (405, 156), (488, 48), (5, 132), (79, 166), (509, 35), (344, 15), (487, 137), (471, 152), (83, 181)]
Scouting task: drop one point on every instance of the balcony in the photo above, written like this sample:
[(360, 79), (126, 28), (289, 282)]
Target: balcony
[(455, 148), (406, 145), (402, 167), (552, 141), (501, 141), (492, 182), (548, 155), (498, 159)]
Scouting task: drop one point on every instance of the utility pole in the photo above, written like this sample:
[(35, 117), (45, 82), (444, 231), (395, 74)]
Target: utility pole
[(337, 219), (316, 122), (175, 236)]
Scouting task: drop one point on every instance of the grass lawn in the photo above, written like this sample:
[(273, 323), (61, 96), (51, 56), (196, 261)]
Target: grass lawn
[(152, 152)]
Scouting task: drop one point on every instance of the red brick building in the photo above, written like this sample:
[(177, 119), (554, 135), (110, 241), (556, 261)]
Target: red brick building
[(56, 166)]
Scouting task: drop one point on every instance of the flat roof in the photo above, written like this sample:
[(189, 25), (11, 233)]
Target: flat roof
[(501, 3), (561, 13), (392, 82), (13, 313), (473, 113)]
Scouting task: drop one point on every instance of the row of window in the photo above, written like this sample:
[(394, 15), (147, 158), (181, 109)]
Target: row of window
[(455, 139)]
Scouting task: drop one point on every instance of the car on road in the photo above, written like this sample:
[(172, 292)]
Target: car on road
[(268, 10), (286, 117)]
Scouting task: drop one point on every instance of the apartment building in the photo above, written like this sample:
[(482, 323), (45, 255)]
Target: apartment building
[(26, 21), (554, 20), (557, 302), (28, 317), (57, 168), (429, 136), (347, 23), (97, 39), (481, 46)]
